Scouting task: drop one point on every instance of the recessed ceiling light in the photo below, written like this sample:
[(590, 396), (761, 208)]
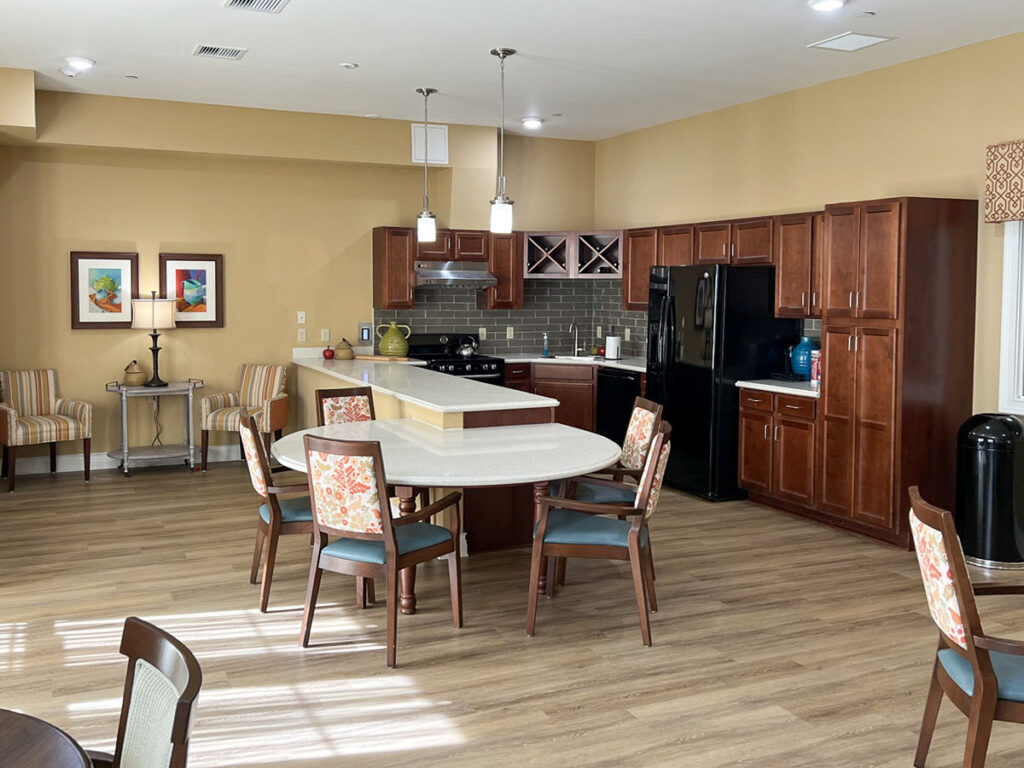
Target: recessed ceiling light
[(131, 77), (348, 65), (866, 14), (827, 5), (79, 63), (371, 115), (532, 123), (849, 42)]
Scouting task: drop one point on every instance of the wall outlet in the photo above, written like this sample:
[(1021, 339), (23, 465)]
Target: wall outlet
[(325, 334), (482, 332), (510, 332), (300, 317), (598, 332), (302, 334), (625, 334)]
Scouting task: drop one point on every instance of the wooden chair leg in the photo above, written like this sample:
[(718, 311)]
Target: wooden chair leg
[(652, 598), (549, 587), (312, 590), (87, 456), (257, 552), (650, 560), (277, 434), (560, 570), (637, 566), (979, 728), (204, 442), (53, 458), (268, 567), (392, 609), (361, 592), (266, 443), (3, 466), (931, 714), (12, 455), (531, 605), (371, 596), (455, 585)]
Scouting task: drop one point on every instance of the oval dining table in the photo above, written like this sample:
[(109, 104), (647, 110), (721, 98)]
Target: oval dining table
[(420, 455), (28, 742)]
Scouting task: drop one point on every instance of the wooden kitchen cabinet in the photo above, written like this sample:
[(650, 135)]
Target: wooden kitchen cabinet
[(794, 249), (751, 241), (505, 261), (778, 446), (712, 242), (838, 405), (865, 251), (574, 386), (519, 376), (640, 253), (439, 250), (394, 251), (470, 245), (675, 247)]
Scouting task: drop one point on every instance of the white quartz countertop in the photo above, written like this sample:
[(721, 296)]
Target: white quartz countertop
[(422, 455), (436, 391), (798, 388), (635, 364)]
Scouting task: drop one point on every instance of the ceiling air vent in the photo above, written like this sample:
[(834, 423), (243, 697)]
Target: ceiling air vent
[(219, 52), (848, 42), (259, 6)]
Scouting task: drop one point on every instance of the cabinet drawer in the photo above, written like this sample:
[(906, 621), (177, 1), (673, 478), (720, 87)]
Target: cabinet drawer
[(517, 371), (756, 400), (793, 405), (558, 372)]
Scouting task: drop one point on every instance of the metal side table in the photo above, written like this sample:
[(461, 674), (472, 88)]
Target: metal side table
[(156, 451)]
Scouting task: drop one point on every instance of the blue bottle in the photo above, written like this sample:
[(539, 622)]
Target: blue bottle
[(801, 356)]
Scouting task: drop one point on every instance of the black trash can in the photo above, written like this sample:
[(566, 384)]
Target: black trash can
[(989, 511)]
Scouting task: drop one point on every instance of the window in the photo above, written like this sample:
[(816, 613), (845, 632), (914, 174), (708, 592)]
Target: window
[(1011, 366)]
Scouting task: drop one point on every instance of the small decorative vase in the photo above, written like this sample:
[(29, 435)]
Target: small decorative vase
[(393, 342), (801, 356)]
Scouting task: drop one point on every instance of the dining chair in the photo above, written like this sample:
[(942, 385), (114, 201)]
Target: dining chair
[(31, 413), (343, 406), (982, 675), (350, 501), (158, 706), (574, 528), (260, 394), (277, 516)]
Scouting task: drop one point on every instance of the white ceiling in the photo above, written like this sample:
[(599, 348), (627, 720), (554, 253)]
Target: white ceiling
[(608, 67)]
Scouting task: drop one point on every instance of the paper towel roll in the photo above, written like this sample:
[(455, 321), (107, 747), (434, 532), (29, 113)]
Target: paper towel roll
[(612, 347)]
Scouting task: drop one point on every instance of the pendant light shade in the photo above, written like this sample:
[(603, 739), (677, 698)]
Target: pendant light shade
[(501, 206), (426, 223)]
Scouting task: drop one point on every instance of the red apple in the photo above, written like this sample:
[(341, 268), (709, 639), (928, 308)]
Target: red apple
[(328, 354)]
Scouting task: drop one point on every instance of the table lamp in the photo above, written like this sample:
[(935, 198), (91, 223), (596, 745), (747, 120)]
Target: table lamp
[(157, 314)]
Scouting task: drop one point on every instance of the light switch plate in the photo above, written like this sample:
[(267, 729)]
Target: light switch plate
[(300, 317), (325, 334), (625, 334), (365, 333), (302, 334), (598, 332), (482, 333), (510, 332)]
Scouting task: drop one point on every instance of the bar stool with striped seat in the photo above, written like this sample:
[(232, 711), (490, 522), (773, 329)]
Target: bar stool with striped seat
[(31, 413), (260, 395)]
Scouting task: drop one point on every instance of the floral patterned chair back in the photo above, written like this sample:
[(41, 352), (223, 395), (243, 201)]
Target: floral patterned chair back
[(346, 488), (654, 470), (643, 425), (343, 406), (255, 454)]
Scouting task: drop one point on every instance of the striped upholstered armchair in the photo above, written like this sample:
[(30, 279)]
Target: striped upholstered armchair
[(32, 414), (260, 394)]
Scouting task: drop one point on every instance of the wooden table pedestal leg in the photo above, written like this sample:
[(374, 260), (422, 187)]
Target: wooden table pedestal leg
[(407, 505), (540, 489)]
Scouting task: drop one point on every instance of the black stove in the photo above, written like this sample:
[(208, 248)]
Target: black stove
[(441, 351)]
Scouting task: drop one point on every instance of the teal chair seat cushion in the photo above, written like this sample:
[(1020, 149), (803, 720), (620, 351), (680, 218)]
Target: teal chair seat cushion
[(598, 494), (409, 537), (294, 510), (1009, 671), (566, 526)]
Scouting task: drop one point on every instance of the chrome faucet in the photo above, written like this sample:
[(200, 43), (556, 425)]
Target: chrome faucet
[(575, 331)]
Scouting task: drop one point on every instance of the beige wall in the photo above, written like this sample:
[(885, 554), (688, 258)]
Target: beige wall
[(552, 182), (919, 128)]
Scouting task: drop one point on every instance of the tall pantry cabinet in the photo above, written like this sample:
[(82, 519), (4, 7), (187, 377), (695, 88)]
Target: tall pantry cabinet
[(897, 357)]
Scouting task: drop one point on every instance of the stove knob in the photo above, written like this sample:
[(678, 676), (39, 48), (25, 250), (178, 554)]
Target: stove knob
[(494, 366), (469, 367), (451, 368)]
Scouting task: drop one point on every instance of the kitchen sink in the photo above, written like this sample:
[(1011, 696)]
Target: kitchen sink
[(581, 358)]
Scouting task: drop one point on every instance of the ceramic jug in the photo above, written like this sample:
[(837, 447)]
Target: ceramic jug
[(393, 342), (801, 356), (343, 350)]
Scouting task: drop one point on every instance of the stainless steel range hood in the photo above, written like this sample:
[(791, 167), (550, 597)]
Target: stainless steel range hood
[(472, 274)]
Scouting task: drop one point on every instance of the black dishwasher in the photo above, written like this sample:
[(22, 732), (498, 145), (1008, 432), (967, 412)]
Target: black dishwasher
[(616, 391)]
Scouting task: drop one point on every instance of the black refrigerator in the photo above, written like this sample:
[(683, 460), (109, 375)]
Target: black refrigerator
[(707, 328)]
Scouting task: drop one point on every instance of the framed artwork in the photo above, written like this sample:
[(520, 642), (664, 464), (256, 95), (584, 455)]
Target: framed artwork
[(196, 283), (102, 288)]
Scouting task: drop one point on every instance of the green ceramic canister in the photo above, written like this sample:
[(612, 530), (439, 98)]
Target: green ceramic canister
[(393, 342)]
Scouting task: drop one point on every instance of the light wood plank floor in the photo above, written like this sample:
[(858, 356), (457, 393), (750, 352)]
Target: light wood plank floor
[(779, 642)]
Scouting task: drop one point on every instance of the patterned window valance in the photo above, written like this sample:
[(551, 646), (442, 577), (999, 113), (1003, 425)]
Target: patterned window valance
[(1004, 182)]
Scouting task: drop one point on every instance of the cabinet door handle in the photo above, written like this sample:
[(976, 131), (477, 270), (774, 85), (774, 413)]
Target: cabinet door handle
[(803, 298), (765, 431), (856, 343), (753, 400), (794, 407), (814, 298), (732, 249), (724, 251), (776, 433), (850, 301), (856, 300), (849, 343)]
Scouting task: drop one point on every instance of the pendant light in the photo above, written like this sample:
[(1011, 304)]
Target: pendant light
[(501, 206), (426, 223)]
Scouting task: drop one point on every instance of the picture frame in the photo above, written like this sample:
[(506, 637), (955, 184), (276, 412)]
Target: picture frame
[(196, 282), (103, 285)]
